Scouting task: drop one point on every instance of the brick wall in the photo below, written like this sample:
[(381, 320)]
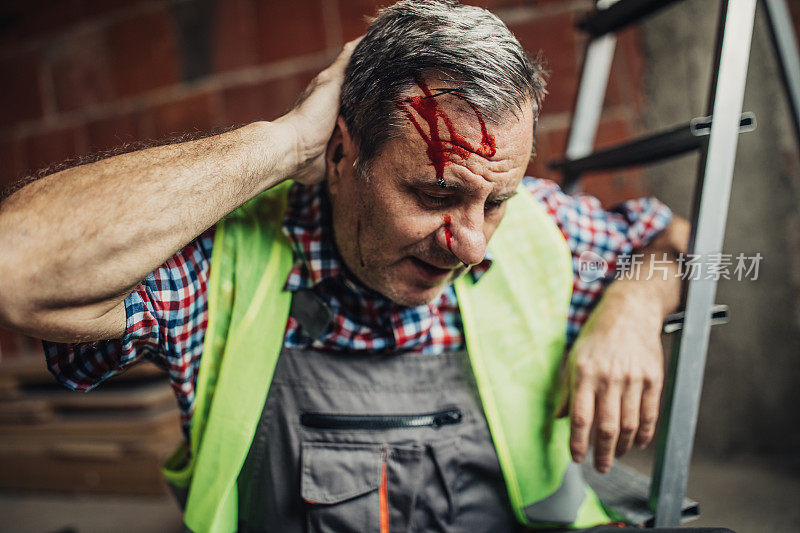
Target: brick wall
[(80, 76)]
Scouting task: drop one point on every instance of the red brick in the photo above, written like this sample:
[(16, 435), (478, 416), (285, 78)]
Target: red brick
[(143, 53), (794, 11), (611, 132), (555, 36), (191, 114), (537, 167), (354, 15), (630, 42), (17, 345), (288, 29), (234, 36), (557, 142), (22, 90), (263, 101), (550, 147), (95, 8), (625, 84), (11, 162), (24, 20), (52, 147), (79, 69), (108, 133), (613, 187), (9, 342)]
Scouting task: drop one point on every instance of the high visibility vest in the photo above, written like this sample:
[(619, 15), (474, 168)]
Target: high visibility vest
[(515, 327)]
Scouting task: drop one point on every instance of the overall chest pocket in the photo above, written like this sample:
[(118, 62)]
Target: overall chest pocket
[(341, 486), (357, 487)]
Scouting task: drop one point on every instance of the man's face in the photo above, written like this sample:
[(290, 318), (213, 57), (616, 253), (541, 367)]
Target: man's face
[(433, 198)]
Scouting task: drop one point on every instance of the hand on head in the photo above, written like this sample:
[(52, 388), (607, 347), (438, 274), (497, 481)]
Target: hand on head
[(312, 118)]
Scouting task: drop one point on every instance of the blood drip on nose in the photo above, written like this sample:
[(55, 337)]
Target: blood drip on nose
[(448, 233), (429, 110)]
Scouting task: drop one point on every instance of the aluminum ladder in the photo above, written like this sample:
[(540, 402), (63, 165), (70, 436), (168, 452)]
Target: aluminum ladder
[(660, 501)]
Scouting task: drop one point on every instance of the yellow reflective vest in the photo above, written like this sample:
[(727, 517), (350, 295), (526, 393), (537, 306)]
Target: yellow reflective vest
[(515, 328)]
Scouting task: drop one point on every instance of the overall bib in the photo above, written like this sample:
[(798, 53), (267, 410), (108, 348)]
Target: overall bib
[(351, 442)]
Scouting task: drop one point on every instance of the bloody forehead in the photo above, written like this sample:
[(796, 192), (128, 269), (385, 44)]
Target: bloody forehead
[(427, 108)]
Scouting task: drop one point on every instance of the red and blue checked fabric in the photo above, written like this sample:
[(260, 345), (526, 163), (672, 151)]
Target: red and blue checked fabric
[(167, 313)]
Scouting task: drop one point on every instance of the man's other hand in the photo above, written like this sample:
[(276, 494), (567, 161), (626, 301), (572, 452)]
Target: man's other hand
[(615, 371), (313, 118), (614, 376)]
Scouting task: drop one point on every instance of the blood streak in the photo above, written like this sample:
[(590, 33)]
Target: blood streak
[(429, 110), (358, 242), (488, 146), (448, 233)]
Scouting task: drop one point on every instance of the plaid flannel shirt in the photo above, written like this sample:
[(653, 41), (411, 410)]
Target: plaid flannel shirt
[(167, 313)]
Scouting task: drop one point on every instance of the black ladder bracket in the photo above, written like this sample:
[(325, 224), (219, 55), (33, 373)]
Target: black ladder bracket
[(720, 314), (619, 15), (648, 149)]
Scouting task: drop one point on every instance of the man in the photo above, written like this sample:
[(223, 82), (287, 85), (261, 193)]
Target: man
[(335, 312)]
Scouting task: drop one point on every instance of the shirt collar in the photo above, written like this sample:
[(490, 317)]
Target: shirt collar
[(307, 224)]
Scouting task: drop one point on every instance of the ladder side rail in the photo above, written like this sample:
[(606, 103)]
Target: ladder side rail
[(595, 72), (589, 103), (685, 374)]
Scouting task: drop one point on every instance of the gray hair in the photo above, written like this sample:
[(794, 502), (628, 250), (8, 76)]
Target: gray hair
[(414, 39)]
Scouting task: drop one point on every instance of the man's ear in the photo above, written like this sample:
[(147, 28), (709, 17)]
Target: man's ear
[(339, 156)]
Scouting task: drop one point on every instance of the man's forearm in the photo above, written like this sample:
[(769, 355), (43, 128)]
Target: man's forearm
[(84, 237), (655, 284)]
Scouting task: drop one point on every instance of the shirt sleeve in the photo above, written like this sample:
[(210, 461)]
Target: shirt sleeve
[(166, 320), (595, 234)]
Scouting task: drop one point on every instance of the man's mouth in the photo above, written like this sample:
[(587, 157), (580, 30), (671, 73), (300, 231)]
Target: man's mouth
[(430, 272)]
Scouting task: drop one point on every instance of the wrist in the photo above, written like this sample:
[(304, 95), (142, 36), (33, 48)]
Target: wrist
[(638, 300), (273, 152)]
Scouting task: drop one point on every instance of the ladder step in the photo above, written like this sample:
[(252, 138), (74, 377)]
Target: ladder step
[(620, 15), (625, 491), (648, 149), (720, 314)]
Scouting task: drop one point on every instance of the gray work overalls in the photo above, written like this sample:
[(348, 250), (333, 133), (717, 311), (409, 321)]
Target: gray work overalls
[(331, 420)]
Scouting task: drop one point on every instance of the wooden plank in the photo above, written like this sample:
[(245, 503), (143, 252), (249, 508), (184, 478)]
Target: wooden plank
[(146, 395), (25, 411), (9, 389), (32, 369), (135, 473), (100, 425)]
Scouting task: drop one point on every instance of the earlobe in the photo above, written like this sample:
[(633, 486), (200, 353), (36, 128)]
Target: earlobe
[(333, 158)]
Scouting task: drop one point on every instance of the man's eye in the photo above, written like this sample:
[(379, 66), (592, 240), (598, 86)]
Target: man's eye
[(434, 201), (491, 206)]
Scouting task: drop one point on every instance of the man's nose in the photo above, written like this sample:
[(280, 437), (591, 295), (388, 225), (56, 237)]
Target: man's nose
[(467, 241)]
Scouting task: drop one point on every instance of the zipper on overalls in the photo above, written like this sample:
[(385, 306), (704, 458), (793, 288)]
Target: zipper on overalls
[(377, 422)]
